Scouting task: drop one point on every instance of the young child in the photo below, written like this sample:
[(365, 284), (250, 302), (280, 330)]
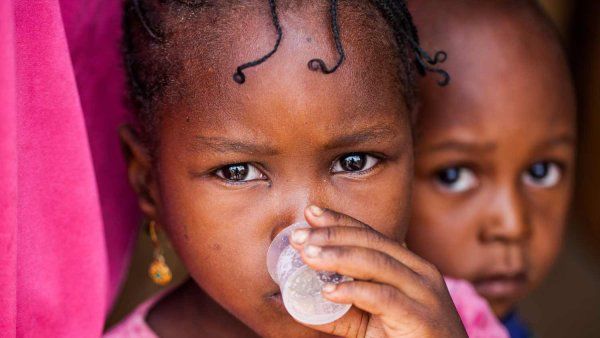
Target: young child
[(225, 156), (495, 149)]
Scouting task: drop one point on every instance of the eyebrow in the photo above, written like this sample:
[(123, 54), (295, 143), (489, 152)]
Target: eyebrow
[(375, 133), (226, 145), (562, 140), (461, 146), (467, 147)]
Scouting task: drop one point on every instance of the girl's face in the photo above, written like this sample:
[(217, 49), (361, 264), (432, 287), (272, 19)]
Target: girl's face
[(238, 163), (494, 168)]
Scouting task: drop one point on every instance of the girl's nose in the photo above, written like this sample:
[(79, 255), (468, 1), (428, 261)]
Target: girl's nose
[(292, 202), (506, 217)]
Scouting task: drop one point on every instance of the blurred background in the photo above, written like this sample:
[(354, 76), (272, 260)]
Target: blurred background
[(568, 303)]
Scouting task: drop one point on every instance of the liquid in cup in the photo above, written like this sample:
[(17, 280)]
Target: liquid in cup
[(300, 285)]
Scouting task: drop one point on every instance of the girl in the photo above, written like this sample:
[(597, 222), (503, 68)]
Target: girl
[(495, 158), (228, 152)]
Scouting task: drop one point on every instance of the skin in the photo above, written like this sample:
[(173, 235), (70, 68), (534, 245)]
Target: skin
[(479, 211), (291, 126)]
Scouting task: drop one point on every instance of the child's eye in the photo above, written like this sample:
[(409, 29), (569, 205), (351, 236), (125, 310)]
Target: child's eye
[(354, 163), (456, 179), (543, 174), (240, 172)]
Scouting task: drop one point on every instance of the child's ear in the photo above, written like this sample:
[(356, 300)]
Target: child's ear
[(139, 168)]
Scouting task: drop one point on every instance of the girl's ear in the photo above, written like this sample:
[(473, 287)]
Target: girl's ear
[(139, 168)]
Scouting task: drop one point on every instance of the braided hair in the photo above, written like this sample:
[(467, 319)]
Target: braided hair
[(146, 32)]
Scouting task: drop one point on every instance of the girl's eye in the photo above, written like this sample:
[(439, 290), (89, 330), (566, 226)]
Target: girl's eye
[(240, 172), (354, 163), (543, 174), (456, 179)]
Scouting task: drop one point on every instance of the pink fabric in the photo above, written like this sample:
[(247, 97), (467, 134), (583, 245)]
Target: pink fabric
[(93, 30), (67, 218), (135, 326), (8, 173), (475, 313)]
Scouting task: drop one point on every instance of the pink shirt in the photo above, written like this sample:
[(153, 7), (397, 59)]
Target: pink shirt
[(475, 313), (135, 324)]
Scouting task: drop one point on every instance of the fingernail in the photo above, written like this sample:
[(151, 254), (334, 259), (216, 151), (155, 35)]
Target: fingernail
[(299, 236), (315, 210), (312, 251), (329, 287)]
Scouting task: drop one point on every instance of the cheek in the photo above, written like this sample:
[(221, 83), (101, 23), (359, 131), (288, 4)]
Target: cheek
[(548, 221), (222, 241), (545, 246), (444, 230), (382, 202)]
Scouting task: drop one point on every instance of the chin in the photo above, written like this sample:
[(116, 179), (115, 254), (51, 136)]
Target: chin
[(502, 308)]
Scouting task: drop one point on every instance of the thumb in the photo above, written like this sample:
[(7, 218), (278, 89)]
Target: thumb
[(352, 325)]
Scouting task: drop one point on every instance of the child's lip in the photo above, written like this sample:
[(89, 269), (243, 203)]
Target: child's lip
[(501, 286)]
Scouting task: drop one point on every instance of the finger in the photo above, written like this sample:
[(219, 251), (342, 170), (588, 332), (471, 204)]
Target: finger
[(354, 236), (377, 299), (364, 264), (352, 324), (398, 313), (319, 217)]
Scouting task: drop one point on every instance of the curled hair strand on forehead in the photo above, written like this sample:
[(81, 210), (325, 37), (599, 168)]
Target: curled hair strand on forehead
[(319, 64), (239, 75)]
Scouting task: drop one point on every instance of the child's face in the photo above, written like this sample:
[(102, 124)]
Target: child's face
[(238, 163), (494, 164)]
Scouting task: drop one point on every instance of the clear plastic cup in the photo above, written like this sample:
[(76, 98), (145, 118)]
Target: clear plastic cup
[(300, 285)]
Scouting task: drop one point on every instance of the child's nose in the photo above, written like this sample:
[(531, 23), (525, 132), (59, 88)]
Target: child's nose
[(506, 218), (291, 203)]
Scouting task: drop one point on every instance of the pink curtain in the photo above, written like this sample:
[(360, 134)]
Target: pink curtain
[(67, 217)]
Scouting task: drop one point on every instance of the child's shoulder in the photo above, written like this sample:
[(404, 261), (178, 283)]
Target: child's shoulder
[(135, 326), (474, 311)]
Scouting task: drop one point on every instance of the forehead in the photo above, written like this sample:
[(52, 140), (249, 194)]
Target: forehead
[(364, 87), (508, 73)]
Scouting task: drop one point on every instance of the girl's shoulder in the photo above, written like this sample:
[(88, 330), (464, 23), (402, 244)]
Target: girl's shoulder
[(135, 326), (474, 311)]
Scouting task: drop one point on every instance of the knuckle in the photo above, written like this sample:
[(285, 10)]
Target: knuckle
[(432, 277), (330, 234), (436, 276), (386, 262), (431, 271), (337, 217), (389, 295), (374, 239), (338, 253), (345, 254)]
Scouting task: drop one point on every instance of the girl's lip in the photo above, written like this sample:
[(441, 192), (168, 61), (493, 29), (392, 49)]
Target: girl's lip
[(501, 286)]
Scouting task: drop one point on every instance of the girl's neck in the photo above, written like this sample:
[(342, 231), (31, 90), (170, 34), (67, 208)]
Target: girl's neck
[(188, 311)]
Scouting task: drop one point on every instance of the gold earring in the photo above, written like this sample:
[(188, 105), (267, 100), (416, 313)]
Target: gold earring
[(158, 271)]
